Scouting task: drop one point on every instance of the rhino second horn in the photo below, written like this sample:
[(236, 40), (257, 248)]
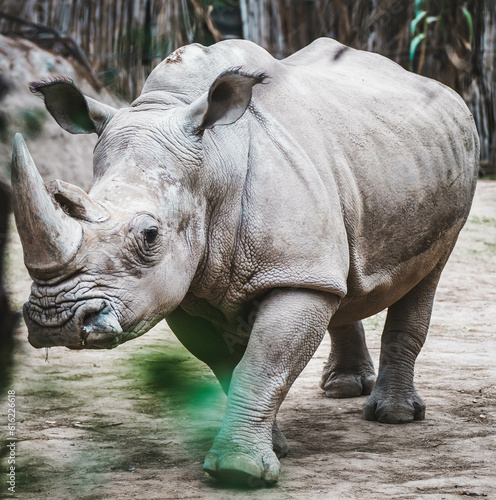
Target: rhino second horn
[(50, 238), (77, 202)]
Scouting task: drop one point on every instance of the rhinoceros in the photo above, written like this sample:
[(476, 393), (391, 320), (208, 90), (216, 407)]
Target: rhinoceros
[(255, 204)]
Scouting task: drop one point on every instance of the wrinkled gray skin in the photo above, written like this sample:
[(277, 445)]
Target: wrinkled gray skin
[(254, 212)]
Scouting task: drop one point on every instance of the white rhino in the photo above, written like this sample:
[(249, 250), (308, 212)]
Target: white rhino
[(254, 204)]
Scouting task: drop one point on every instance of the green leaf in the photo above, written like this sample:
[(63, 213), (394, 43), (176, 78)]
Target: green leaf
[(432, 19), (468, 16), (414, 45), (419, 4), (442, 26), (413, 25)]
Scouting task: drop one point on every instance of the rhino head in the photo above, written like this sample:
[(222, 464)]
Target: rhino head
[(107, 265)]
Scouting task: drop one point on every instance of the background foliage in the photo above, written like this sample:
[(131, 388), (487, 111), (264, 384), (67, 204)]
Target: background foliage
[(120, 41)]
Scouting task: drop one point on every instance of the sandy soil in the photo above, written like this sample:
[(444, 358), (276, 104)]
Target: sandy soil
[(136, 422)]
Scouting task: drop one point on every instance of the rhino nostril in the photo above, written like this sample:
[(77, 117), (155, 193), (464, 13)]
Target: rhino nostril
[(102, 321), (89, 318)]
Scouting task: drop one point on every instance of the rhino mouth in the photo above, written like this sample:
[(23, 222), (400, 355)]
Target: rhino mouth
[(89, 324)]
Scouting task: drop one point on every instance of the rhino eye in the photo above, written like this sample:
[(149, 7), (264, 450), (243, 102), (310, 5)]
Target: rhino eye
[(150, 236)]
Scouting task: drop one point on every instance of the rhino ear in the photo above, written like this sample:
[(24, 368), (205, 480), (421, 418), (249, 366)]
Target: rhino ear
[(72, 110), (226, 101)]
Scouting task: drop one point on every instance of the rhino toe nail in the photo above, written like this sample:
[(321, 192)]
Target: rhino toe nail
[(210, 465), (271, 476), (369, 411), (271, 473), (239, 464), (419, 411)]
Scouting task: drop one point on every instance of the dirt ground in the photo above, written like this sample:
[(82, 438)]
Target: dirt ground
[(136, 422)]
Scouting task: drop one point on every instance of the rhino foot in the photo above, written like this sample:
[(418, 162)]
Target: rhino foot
[(251, 470), (349, 371), (279, 443), (394, 410), (347, 385)]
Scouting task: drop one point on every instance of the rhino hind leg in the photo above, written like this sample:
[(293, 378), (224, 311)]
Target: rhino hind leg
[(394, 399), (349, 371), (279, 443)]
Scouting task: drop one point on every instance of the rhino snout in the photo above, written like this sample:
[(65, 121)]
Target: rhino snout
[(94, 324), (100, 325)]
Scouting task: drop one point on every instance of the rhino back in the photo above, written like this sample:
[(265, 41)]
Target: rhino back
[(360, 173), (400, 151)]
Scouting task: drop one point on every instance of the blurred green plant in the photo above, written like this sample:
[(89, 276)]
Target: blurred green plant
[(446, 19), (32, 121), (176, 377)]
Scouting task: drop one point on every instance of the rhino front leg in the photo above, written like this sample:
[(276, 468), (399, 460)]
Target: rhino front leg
[(349, 371), (289, 327), (394, 399), (206, 343)]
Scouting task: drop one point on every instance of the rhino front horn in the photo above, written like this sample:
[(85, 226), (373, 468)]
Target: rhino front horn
[(50, 238)]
